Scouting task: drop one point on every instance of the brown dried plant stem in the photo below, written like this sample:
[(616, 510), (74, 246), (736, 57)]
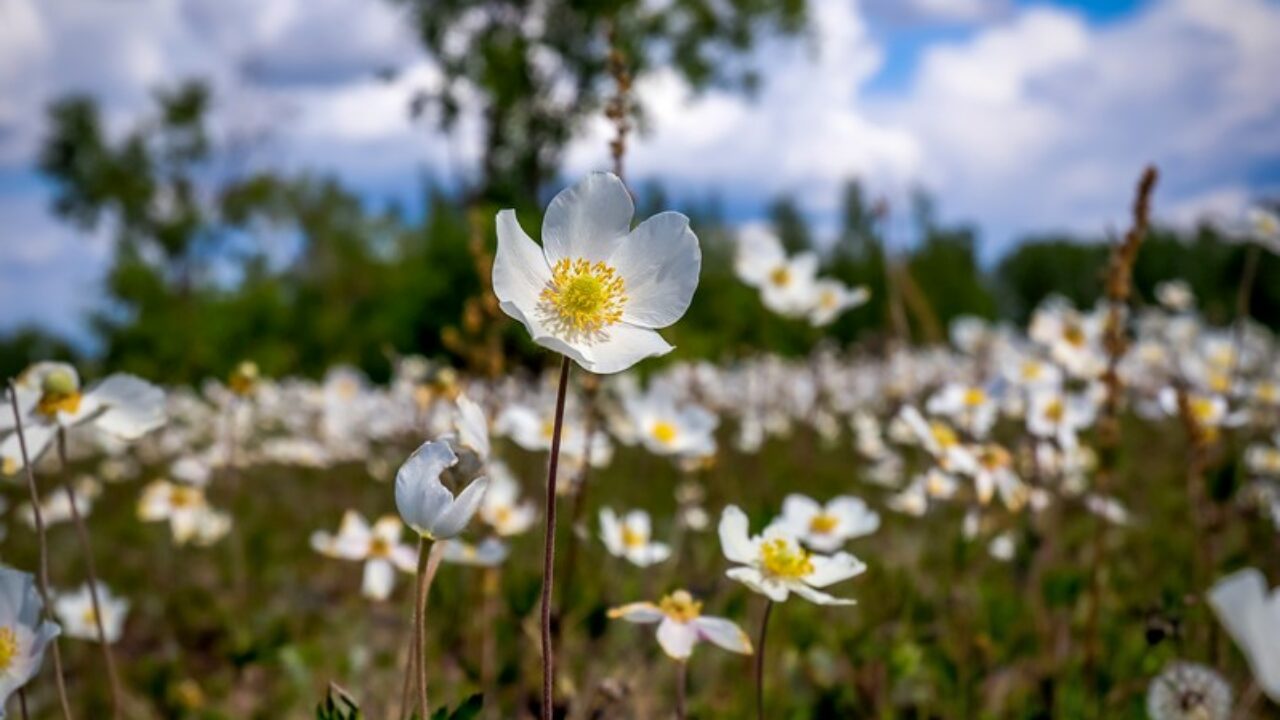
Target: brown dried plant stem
[(549, 548), (764, 629), (682, 679), (42, 577), (86, 547), (1119, 287)]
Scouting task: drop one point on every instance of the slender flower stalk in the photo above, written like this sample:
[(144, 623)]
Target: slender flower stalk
[(42, 577), (549, 548), (22, 703), (86, 547), (682, 679), (764, 629), (425, 547)]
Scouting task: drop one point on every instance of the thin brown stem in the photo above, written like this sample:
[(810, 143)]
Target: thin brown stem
[(549, 549), (764, 629), (682, 679), (42, 577), (591, 387), (86, 547), (22, 703), (427, 565)]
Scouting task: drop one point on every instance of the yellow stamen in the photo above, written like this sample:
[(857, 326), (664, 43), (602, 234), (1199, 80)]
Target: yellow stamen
[(974, 397), (823, 523), (664, 432), (780, 276), (243, 378), (1055, 411), (8, 648), (379, 548), (586, 297), (785, 560), (633, 538), (994, 457), (1074, 335), (52, 403), (680, 606), (184, 497), (943, 435)]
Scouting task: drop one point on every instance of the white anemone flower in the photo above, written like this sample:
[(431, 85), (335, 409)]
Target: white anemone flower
[(79, 619), (1060, 416), (831, 298), (379, 547), (631, 537), (666, 427), (425, 504), (1175, 295), (501, 508), (50, 398), (826, 528), (597, 290), (1263, 226), (56, 506), (681, 625), (187, 511), (787, 285), (1251, 615), (23, 635), (775, 565), (969, 405)]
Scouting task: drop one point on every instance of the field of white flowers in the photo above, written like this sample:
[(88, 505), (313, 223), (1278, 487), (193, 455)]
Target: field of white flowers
[(1072, 519)]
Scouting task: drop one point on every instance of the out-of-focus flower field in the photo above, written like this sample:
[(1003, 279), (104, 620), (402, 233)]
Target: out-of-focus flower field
[(1027, 553)]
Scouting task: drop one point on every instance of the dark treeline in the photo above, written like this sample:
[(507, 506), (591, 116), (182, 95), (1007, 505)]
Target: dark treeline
[(199, 282)]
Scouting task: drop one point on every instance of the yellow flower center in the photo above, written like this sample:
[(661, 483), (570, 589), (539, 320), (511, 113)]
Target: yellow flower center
[(243, 378), (1031, 370), (1055, 411), (379, 548), (633, 538), (994, 457), (680, 606), (1074, 335), (8, 648), (823, 523), (783, 559), (183, 497), (1202, 409), (827, 300), (89, 617), (664, 432), (54, 402), (973, 397), (943, 435), (548, 429), (587, 297), (780, 276), (502, 516)]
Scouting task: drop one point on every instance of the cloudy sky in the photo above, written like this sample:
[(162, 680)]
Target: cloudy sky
[(1021, 116)]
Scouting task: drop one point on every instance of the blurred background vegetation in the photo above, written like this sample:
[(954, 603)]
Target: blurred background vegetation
[(298, 272)]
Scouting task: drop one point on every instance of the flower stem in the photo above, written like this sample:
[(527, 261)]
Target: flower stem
[(22, 703), (549, 549), (428, 562), (764, 628), (682, 678), (86, 547), (42, 577)]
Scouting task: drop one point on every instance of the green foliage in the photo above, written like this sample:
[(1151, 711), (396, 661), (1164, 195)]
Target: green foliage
[(530, 110), (343, 708)]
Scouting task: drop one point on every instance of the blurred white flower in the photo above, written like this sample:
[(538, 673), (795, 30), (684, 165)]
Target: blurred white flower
[(681, 625), (787, 285), (79, 619), (425, 504), (501, 508), (775, 565), (187, 511), (379, 547), (1188, 691), (826, 528), (597, 289), (491, 552), (1175, 295), (831, 298), (631, 537)]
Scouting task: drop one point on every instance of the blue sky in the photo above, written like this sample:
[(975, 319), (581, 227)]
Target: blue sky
[(1022, 116)]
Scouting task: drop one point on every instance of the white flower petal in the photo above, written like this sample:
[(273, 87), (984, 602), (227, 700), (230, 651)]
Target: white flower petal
[(134, 407), (819, 597), (38, 436), (472, 426), (459, 514), (624, 346), (660, 262), (833, 569), (637, 612), (724, 633), (677, 639), (420, 496), (588, 220), (734, 541), (379, 579), (520, 270), (753, 579)]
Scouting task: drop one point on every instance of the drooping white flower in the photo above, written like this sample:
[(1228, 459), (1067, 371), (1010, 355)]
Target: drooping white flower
[(681, 625), (597, 290), (79, 619), (425, 504), (1251, 615), (775, 565), (50, 398), (1188, 691), (631, 537), (23, 635), (378, 547), (826, 528)]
